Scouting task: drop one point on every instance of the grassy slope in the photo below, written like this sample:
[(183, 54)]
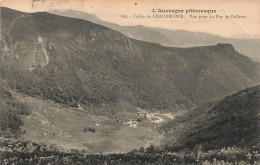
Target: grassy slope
[(74, 61), (231, 121), (53, 123)]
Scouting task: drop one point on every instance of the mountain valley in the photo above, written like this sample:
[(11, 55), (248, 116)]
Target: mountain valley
[(75, 91)]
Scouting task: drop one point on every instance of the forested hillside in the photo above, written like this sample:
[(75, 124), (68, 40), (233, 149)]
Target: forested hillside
[(233, 121)]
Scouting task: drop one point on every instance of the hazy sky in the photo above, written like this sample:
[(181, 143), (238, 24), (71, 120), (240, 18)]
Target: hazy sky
[(111, 11)]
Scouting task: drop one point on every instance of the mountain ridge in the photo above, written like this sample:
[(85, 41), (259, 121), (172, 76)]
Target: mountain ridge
[(75, 62), (172, 38)]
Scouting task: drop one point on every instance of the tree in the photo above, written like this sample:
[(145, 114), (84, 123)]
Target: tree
[(150, 149)]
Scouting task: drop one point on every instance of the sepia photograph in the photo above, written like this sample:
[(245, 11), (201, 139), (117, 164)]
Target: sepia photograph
[(133, 82)]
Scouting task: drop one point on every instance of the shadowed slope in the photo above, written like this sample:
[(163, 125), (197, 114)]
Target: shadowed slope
[(233, 121)]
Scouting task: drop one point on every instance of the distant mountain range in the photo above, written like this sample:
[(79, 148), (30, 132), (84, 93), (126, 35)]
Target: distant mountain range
[(172, 38), (233, 121), (74, 61)]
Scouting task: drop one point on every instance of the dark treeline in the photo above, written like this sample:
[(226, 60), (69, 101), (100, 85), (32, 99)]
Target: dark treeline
[(26, 153)]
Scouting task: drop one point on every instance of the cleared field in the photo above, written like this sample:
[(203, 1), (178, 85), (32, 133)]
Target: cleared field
[(95, 130)]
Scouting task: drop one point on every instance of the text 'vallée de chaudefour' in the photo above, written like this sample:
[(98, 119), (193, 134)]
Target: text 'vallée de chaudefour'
[(158, 16)]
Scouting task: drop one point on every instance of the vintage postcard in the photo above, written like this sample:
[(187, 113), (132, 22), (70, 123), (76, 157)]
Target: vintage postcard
[(130, 82)]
